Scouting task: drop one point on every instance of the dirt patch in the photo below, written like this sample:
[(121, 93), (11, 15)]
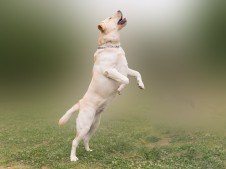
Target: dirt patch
[(164, 142), (160, 143), (19, 166)]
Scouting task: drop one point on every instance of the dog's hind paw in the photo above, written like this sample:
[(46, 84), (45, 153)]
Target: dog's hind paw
[(73, 158), (88, 149)]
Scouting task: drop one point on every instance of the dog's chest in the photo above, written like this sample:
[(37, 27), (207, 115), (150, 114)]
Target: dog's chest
[(122, 65)]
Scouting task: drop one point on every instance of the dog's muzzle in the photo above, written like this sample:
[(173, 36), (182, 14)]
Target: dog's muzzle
[(121, 20)]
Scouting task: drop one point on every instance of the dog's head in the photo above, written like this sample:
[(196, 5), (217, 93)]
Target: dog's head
[(109, 27), (114, 23)]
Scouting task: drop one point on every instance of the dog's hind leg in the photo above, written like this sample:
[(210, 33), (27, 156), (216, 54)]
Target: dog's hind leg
[(83, 124), (92, 130)]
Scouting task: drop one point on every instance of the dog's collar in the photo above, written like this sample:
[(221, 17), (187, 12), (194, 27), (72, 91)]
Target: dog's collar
[(108, 46)]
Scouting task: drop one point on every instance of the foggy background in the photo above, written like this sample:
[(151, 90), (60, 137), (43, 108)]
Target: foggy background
[(47, 47)]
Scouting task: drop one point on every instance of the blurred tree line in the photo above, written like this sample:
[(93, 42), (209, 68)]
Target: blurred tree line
[(37, 43), (40, 42)]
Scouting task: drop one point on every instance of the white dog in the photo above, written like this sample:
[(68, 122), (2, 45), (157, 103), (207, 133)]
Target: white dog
[(110, 73)]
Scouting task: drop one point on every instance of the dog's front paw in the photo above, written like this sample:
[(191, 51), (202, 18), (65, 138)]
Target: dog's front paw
[(120, 89), (119, 92), (141, 85), (74, 158)]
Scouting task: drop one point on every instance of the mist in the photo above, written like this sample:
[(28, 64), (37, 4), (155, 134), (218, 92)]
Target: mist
[(46, 56)]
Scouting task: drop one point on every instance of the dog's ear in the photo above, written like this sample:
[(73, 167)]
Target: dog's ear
[(101, 27)]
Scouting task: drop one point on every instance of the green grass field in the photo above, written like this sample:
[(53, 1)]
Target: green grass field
[(31, 138)]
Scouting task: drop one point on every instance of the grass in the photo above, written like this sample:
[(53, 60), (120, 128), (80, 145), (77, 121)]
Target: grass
[(32, 139)]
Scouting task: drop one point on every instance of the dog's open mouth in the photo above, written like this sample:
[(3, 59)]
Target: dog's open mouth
[(122, 21)]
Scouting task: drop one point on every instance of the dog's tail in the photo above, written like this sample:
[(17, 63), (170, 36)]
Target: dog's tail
[(68, 114)]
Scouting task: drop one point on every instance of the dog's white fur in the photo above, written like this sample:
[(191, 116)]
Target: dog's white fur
[(110, 73)]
